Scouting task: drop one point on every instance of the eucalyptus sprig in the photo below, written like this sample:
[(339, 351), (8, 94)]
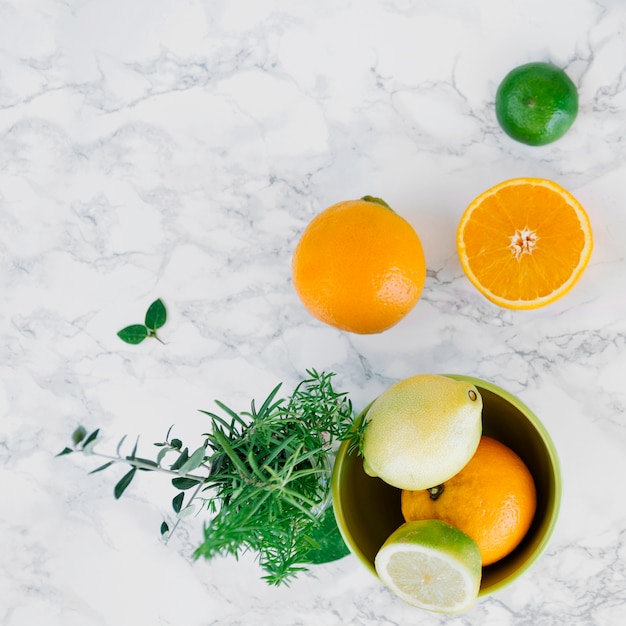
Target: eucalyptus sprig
[(262, 476), (155, 318)]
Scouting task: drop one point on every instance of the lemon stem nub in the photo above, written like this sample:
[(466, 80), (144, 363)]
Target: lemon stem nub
[(435, 492)]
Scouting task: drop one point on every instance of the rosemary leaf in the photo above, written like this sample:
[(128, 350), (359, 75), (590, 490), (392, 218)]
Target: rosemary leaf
[(121, 486), (184, 483), (177, 502), (226, 446), (193, 462), (102, 467)]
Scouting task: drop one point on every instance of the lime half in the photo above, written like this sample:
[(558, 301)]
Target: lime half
[(431, 565), (536, 103)]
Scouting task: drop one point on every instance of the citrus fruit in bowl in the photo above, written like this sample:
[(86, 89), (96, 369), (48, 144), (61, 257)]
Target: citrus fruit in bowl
[(359, 266), (369, 510), (412, 422), (493, 499), (536, 103), (432, 565)]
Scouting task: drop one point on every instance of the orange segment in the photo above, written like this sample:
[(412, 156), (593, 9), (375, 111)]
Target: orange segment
[(524, 243)]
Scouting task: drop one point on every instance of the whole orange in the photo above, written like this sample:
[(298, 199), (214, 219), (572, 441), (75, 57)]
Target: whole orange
[(492, 499), (359, 266)]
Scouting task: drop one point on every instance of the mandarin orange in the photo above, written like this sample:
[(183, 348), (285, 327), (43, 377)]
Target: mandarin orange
[(492, 499), (359, 266)]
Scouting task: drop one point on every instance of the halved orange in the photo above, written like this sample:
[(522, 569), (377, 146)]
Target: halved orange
[(524, 243)]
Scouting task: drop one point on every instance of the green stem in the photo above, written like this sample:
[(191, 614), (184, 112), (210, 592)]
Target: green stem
[(194, 495), (153, 333), (147, 466), (377, 201)]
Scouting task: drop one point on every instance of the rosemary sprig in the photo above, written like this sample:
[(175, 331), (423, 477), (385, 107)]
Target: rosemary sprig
[(261, 476)]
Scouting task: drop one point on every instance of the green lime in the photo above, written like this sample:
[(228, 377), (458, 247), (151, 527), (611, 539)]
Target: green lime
[(536, 103), (432, 565)]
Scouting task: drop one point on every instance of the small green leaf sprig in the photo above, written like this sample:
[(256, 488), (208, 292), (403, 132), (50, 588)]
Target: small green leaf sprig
[(156, 316), (262, 476)]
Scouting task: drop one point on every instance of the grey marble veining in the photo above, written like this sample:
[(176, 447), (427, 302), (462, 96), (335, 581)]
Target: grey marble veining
[(159, 148)]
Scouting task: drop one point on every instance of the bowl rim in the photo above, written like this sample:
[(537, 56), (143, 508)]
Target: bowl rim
[(555, 465)]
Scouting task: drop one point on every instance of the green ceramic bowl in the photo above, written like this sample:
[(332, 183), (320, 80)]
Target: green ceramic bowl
[(368, 509)]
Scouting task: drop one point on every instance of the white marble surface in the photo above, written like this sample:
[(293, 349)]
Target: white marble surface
[(176, 149)]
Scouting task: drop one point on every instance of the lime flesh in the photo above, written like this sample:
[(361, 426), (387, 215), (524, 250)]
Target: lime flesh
[(536, 103)]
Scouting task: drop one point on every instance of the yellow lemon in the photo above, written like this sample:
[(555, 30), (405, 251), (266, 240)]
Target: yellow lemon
[(422, 431)]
